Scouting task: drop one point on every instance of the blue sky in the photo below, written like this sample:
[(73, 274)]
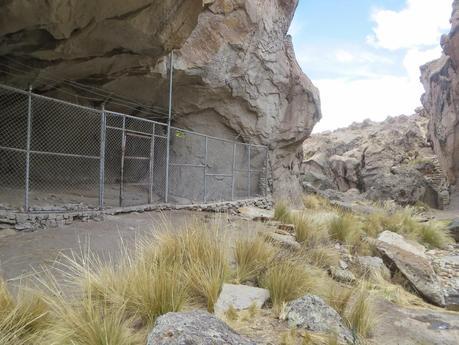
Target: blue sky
[(364, 55)]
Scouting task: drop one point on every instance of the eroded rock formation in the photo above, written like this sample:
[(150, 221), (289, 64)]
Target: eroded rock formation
[(441, 100), (236, 75), (387, 160)]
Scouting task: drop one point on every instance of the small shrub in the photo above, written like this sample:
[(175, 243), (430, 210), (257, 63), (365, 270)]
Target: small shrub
[(282, 212), (286, 281), (252, 256)]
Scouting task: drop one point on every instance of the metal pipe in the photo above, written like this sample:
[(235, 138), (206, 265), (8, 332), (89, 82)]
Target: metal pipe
[(232, 171), (250, 172), (123, 152), (205, 171), (169, 119), (29, 137), (152, 166), (102, 158)]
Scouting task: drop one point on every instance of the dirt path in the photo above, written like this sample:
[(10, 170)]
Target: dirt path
[(22, 252)]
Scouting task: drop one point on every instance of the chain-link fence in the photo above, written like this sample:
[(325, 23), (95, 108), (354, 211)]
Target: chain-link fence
[(57, 156)]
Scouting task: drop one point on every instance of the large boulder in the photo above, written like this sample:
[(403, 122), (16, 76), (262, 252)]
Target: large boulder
[(313, 314), (236, 74), (193, 328), (382, 160), (453, 228), (403, 326), (409, 259), (240, 297)]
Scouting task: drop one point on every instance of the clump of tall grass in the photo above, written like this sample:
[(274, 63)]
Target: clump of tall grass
[(360, 314), (307, 231), (200, 250), (253, 255), (87, 322), (315, 202), (322, 256), (286, 281), (22, 320), (432, 234), (346, 228), (282, 212)]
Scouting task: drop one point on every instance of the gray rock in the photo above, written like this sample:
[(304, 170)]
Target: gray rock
[(454, 229), (285, 241), (403, 256), (340, 275), (194, 328), (313, 314), (240, 297), (372, 264)]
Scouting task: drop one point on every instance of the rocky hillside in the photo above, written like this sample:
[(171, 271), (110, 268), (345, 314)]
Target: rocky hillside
[(388, 160), (441, 100), (236, 75)]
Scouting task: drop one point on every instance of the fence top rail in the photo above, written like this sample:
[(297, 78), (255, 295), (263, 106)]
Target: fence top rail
[(100, 111)]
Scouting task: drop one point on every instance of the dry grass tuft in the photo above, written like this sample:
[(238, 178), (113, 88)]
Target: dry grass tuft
[(253, 255), (286, 281), (360, 314), (282, 212), (346, 228), (309, 232), (321, 257), (338, 297), (315, 202)]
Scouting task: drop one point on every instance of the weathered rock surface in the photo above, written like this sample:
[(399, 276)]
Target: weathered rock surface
[(286, 241), (236, 75), (404, 326), (194, 328), (453, 228), (313, 314), (240, 297), (387, 160), (441, 99), (341, 275), (410, 260), (372, 265)]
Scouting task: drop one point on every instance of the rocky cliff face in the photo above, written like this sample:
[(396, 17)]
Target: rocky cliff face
[(387, 160), (441, 100), (236, 75)]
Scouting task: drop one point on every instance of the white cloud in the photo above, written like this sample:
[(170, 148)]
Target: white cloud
[(420, 23), (411, 35), (346, 101)]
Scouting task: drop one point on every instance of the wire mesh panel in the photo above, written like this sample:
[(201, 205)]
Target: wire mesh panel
[(55, 155), (64, 155), (187, 162), (13, 138)]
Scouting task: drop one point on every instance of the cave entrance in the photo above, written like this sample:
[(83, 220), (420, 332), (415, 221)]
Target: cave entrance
[(59, 156)]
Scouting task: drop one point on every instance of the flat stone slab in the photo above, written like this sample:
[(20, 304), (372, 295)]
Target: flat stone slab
[(194, 328), (400, 242), (255, 213), (402, 256), (240, 297), (285, 241)]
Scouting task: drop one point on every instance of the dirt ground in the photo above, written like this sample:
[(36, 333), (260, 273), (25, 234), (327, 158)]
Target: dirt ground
[(23, 252)]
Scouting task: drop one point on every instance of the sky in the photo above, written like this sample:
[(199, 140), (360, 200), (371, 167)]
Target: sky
[(364, 55)]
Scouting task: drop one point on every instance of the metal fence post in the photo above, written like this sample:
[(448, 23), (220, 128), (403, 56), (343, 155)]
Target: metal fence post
[(266, 172), (29, 138), (123, 153), (250, 172), (152, 165), (232, 171), (171, 67), (205, 170), (103, 131)]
